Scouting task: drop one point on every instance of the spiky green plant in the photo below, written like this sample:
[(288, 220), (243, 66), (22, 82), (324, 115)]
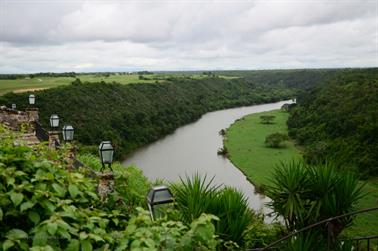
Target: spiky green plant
[(235, 216), (304, 195), (288, 191), (308, 241), (333, 193), (194, 196)]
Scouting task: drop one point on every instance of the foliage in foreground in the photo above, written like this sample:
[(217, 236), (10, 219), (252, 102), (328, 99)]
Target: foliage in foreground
[(45, 207), (304, 195), (195, 196), (131, 185)]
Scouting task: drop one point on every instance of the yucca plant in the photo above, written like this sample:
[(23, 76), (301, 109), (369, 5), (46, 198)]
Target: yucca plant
[(308, 241), (194, 196), (304, 195), (235, 216), (322, 180), (289, 191)]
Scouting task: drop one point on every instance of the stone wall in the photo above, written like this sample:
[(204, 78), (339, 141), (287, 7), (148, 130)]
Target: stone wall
[(15, 119)]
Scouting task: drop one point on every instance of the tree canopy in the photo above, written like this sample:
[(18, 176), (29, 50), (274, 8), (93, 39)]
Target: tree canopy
[(338, 121)]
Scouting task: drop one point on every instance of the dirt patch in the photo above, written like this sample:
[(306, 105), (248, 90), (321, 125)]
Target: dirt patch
[(29, 90)]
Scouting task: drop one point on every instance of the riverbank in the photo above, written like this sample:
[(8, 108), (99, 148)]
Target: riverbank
[(244, 141), (193, 148)]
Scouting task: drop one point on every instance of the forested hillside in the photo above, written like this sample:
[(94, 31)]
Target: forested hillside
[(339, 120), (136, 114), (301, 79)]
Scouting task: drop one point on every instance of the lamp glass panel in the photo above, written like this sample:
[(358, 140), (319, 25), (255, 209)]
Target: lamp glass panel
[(54, 121), (31, 99), (162, 195), (106, 152), (68, 132), (107, 156), (149, 196), (69, 135)]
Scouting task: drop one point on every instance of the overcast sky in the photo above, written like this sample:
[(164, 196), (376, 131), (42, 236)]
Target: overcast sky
[(123, 35)]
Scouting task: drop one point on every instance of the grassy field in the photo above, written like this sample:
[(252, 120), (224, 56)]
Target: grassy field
[(31, 84), (245, 143), (122, 79), (20, 85), (367, 224), (27, 84)]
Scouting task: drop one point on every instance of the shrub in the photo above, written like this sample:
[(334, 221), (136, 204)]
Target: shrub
[(275, 140), (260, 234), (267, 119), (304, 194), (45, 207), (223, 151), (231, 207), (130, 184), (195, 196), (222, 132)]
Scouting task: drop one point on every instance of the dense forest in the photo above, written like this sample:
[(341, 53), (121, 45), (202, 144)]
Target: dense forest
[(34, 75), (301, 79), (338, 121), (136, 114)]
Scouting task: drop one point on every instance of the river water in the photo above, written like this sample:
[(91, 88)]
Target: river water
[(193, 148)]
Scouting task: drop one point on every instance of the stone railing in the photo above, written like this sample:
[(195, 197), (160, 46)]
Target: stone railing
[(14, 119)]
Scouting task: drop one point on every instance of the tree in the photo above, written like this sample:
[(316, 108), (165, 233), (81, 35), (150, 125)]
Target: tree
[(267, 119), (77, 81), (305, 194), (275, 140)]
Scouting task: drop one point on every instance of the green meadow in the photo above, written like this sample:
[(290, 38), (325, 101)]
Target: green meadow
[(28, 84), (20, 85), (38, 83), (244, 141)]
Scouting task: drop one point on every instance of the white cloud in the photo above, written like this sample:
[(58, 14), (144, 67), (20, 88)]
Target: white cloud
[(60, 35)]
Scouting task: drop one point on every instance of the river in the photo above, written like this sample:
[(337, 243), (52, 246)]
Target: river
[(193, 148)]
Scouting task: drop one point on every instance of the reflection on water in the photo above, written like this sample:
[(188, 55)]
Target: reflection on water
[(193, 148)]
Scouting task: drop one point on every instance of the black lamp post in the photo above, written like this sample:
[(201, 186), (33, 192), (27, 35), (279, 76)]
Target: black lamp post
[(106, 151), (68, 132), (31, 99), (159, 195), (54, 121)]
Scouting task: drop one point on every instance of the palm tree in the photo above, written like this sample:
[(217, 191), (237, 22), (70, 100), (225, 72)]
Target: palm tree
[(304, 194)]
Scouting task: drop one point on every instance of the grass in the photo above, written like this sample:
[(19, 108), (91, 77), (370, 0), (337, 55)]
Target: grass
[(245, 143), (247, 150), (122, 79), (27, 84), (35, 83), (367, 224), (19, 85)]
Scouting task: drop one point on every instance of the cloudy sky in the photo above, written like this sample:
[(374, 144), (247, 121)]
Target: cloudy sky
[(125, 35)]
